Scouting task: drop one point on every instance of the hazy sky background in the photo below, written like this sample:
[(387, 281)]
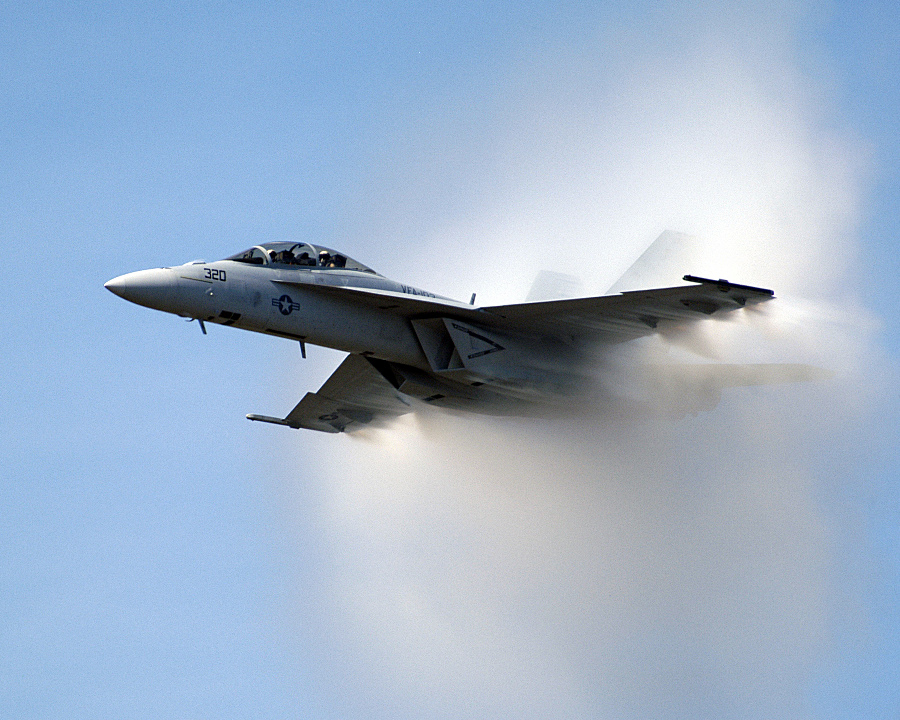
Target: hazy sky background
[(163, 557)]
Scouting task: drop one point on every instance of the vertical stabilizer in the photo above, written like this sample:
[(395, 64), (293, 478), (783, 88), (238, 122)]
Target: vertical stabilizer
[(550, 285), (664, 263)]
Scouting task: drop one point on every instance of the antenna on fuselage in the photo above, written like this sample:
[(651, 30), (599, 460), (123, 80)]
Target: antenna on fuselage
[(202, 324)]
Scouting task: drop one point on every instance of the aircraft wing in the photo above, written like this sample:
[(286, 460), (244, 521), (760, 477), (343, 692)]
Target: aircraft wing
[(356, 395), (607, 318), (629, 315)]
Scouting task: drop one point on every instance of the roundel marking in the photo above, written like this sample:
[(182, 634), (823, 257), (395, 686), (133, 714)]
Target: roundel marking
[(285, 304)]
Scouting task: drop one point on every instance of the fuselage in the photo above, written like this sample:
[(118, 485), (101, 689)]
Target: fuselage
[(273, 299), (281, 289)]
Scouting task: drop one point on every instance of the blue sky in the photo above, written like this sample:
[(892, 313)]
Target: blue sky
[(164, 557)]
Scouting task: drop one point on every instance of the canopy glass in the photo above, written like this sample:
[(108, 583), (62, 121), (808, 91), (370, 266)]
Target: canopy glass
[(299, 255)]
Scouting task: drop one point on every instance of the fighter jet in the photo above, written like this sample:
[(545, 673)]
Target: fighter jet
[(409, 347)]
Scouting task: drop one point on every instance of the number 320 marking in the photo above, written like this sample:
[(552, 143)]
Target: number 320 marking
[(213, 274)]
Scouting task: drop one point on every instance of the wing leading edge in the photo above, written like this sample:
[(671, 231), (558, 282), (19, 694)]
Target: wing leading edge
[(356, 395)]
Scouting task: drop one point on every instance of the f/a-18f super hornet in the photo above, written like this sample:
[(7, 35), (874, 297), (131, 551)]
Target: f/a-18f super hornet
[(409, 346)]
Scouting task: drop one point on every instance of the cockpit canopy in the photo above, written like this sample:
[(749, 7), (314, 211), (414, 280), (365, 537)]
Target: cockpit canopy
[(298, 255)]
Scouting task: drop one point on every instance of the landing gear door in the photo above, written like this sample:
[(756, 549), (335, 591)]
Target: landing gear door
[(476, 347)]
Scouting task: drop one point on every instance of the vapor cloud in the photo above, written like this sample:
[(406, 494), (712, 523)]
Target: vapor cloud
[(616, 564)]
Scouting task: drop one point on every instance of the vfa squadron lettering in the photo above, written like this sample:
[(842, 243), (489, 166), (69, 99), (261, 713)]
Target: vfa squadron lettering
[(409, 348), (410, 290)]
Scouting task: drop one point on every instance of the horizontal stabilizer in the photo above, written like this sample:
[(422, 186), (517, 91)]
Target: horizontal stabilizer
[(722, 375)]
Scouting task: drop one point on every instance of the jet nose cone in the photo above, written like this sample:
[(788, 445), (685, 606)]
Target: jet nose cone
[(151, 288), (117, 286)]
